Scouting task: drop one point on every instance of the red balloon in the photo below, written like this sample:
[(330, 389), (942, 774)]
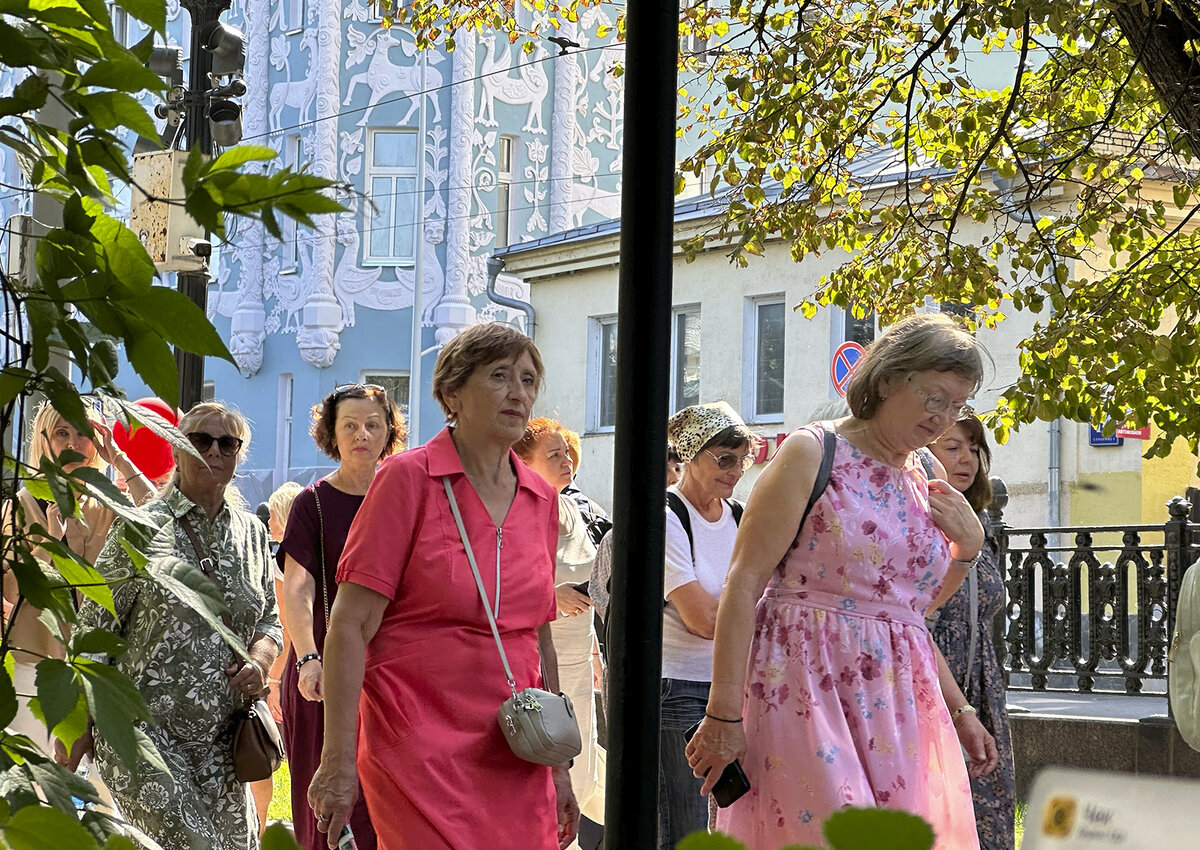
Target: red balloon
[(149, 452)]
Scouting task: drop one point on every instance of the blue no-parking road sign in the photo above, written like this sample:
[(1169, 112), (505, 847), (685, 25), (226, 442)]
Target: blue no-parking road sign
[(844, 360)]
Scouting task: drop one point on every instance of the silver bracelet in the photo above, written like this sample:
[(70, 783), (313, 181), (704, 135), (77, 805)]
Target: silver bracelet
[(967, 565)]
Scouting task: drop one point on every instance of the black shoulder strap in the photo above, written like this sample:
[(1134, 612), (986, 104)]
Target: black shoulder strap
[(828, 450), (923, 454), (677, 507), (737, 508)]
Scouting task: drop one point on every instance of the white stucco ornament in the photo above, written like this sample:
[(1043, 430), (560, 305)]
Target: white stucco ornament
[(317, 338), (247, 331)]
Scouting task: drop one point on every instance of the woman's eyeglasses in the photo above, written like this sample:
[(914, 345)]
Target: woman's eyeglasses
[(228, 444), (728, 462), (935, 404)]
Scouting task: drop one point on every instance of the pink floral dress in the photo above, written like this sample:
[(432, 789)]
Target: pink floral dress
[(842, 705)]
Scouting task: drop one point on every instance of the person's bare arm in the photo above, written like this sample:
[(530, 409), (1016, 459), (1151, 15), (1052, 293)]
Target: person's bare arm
[(697, 608), (976, 741), (768, 527), (299, 590), (357, 613)]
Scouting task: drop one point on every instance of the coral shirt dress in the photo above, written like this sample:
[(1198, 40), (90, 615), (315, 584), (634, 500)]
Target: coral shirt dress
[(433, 763), (842, 704)]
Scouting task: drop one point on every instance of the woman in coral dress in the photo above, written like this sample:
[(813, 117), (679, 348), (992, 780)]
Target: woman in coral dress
[(410, 660), (842, 704)]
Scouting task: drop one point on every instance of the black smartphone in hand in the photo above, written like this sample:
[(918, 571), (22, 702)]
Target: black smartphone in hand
[(733, 782), (582, 587)]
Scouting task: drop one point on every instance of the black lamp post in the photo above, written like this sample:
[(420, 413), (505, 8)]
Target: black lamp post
[(194, 284)]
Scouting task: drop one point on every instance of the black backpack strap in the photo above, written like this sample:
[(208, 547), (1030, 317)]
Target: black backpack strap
[(738, 508), (676, 506), (828, 450)]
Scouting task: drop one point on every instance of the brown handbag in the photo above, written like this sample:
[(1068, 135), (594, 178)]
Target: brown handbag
[(257, 744)]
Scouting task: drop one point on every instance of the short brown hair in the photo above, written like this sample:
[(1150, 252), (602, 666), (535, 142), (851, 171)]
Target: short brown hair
[(925, 342), (544, 426), (477, 346), (324, 417)]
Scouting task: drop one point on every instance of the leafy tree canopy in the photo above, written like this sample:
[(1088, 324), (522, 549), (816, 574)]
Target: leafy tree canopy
[(1041, 155), (92, 290)]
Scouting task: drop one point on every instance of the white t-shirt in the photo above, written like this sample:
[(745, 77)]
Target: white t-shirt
[(685, 655)]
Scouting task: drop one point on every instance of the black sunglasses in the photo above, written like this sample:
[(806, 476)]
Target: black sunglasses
[(227, 443)]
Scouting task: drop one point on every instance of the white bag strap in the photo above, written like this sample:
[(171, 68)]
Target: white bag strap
[(462, 532)]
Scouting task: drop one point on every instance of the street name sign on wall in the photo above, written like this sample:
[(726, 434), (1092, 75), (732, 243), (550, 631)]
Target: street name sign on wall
[(844, 360), (1097, 438)]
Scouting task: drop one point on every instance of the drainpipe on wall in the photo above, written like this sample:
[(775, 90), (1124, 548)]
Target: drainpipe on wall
[(495, 265), (1054, 473)]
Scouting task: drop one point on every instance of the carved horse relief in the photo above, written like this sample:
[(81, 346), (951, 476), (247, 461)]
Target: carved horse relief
[(297, 93), (384, 78), (529, 86)]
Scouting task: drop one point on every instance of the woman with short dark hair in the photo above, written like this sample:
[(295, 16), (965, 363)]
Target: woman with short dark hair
[(827, 685), (356, 425), (411, 666)]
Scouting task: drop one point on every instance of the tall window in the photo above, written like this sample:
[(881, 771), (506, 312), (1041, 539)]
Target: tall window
[(293, 15), (766, 364), (602, 374), (685, 358), (504, 186), (283, 429), (392, 187), (861, 330), (291, 236), (395, 382), (120, 26)]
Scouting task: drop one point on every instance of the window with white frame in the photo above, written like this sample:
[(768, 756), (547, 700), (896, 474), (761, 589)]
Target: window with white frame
[(395, 382), (290, 261), (293, 15), (765, 378), (120, 26), (392, 188), (685, 358), (602, 374), (505, 152)]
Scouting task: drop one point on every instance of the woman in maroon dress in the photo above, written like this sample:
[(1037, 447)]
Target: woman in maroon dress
[(356, 425)]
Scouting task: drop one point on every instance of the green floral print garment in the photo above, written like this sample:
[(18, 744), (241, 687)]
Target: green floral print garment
[(178, 662)]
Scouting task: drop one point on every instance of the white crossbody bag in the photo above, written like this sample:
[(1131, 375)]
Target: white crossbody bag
[(539, 726)]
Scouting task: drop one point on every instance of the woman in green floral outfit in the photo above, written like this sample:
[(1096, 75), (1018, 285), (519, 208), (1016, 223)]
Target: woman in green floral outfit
[(188, 676)]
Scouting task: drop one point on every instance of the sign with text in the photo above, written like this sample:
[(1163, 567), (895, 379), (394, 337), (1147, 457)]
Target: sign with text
[(1097, 438), (1128, 430), (1072, 809)]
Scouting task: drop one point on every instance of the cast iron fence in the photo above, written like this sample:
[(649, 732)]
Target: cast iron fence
[(1098, 613)]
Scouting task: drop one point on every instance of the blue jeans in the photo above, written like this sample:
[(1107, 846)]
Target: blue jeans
[(681, 809)]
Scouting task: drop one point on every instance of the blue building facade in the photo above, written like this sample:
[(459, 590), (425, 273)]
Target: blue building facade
[(446, 157)]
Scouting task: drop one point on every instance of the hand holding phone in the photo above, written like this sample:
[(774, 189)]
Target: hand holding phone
[(733, 782)]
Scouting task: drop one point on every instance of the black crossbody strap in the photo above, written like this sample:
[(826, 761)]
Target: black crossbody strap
[(828, 451), (206, 562)]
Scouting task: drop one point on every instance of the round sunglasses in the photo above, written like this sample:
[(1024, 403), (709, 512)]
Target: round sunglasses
[(228, 444)]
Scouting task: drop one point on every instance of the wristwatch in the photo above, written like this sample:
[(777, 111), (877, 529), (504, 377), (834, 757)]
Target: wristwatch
[(967, 565)]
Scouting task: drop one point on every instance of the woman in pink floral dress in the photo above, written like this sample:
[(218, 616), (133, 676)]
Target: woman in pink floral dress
[(846, 701)]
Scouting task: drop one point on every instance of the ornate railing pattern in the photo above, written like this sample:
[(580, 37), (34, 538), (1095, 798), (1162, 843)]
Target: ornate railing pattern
[(1099, 613)]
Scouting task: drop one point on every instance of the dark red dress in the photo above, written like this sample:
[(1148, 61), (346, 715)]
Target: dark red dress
[(303, 721)]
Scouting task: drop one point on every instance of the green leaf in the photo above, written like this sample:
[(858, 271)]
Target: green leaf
[(8, 700), (278, 837), (153, 360), (115, 704), (709, 841), (135, 416), (179, 321), (879, 829), (240, 155), (60, 785), (98, 642), (197, 591), (57, 692), (110, 110), (152, 13), (45, 828), (123, 73)]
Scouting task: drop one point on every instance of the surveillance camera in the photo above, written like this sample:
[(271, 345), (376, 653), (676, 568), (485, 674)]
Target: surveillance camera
[(225, 122), (200, 247)]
